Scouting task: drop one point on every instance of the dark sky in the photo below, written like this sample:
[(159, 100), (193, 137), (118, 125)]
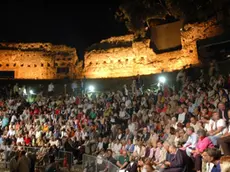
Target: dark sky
[(76, 25)]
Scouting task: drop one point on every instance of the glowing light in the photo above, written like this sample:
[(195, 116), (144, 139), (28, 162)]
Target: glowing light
[(91, 88), (31, 92), (162, 79)]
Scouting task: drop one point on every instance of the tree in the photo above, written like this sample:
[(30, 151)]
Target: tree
[(137, 13)]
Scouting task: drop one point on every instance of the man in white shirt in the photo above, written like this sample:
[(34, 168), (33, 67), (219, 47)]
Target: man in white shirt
[(131, 126), (217, 128), (50, 89), (181, 116), (191, 142), (11, 132), (194, 124)]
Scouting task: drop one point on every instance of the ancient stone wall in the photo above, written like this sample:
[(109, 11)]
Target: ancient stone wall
[(122, 57), (38, 60)]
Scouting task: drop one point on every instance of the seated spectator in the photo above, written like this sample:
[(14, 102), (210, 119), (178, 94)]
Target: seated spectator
[(190, 144), (217, 128), (123, 160), (161, 152), (203, 143), (132, 166), (224, 140), (146, 135), (181, 115), (110, 156), (171, 135), (195, 124), (212, 156), (129, 147), (139, 150), (177, 162)]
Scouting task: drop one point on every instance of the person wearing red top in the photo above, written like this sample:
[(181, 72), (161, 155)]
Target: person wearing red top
[(36, 111), (27, 140), (57, 111), (77, 100)]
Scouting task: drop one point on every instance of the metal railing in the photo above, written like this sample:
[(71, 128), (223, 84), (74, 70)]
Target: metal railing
[(97, 164)]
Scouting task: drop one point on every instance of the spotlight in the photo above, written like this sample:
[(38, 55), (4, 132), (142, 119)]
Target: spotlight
[(162, 79), (91, 88), (31, 92)]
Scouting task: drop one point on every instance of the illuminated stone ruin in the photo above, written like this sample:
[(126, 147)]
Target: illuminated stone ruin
[(39, 60), (122, 57)]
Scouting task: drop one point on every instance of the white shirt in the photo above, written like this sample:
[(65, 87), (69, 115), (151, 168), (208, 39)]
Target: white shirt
[(11, 133), (100, 145), (181, 117), (117, 148), (209, 167), (55, 142), (192, 141), (217, 124), (209, 125), (84, 135), (13, 119), (38, 134), (20, 140), (132, 127), (50, 88), (122, 114)]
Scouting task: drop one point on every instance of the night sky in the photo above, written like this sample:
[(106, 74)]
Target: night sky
[(76, 25)]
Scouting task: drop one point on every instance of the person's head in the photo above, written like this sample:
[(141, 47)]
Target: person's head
[(180, 110), (124, 153), (225, 163), (172, 130), (109, 153), (201, 133), (145, 130), (127, 131), (215, 116), (132, 158), (147, 168), (193, 120), (166, 145), (185, 109), (52, 158), (190, 131), (221, 106), (159, 144), (211, 155), (172, 149)]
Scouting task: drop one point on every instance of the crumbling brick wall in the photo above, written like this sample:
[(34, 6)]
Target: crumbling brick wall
[(37, 60), (121, 57)]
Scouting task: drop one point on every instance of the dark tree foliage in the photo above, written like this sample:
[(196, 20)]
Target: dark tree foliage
[(136, 13)]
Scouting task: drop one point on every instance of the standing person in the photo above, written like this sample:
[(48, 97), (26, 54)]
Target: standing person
[(52, 167), (16, 89), (139, 83), (74, 88), (13, 163), (50, 89), (23, 164), (83, 85), (181, 77)]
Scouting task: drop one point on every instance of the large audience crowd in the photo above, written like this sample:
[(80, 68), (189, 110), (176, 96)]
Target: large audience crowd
[(180, 129)]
